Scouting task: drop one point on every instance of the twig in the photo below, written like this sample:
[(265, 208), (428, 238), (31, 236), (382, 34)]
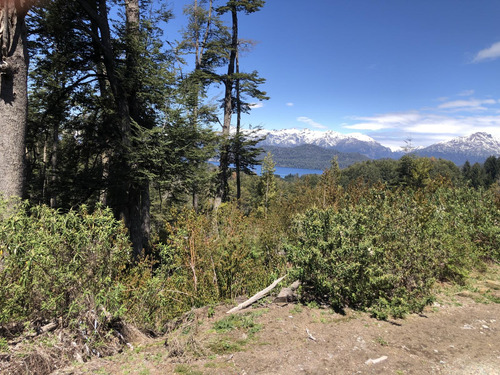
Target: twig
[(309, 334)]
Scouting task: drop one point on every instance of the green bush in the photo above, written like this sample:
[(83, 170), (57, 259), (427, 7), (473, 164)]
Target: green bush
[(60, 265), (384, 250), (202, 261)]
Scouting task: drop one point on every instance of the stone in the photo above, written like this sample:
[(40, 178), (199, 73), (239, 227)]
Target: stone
[(285, 295), (376, 360)]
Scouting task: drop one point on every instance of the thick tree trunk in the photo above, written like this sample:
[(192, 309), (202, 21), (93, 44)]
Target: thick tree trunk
[(122, 195), (13, 98), (139, 199)]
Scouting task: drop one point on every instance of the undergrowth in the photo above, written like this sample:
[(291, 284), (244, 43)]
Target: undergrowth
[(382, 250), (378, 249)]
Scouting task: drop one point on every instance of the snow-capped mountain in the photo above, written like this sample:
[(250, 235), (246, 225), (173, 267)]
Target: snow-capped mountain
[(474, 148), (354, 142)]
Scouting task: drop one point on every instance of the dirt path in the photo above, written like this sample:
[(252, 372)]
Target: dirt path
[(458, 335)]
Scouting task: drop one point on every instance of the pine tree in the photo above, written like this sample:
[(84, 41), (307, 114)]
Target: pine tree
[(232, 7)]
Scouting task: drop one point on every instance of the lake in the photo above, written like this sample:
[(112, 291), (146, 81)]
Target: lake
[(282, 171)]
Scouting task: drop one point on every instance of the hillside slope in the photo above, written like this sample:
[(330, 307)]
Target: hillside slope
[(459, 334), (311, 157)]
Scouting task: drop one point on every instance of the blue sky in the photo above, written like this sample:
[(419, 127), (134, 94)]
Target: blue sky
[(428, 70)]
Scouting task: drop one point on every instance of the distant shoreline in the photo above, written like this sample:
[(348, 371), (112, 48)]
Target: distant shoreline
[(283, 171)]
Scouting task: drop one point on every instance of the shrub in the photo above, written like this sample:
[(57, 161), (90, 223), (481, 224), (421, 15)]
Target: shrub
[(60, 265), (203, 260), (383, 251)]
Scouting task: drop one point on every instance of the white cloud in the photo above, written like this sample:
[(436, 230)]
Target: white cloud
[(426, 127), (367, 126), (384, 121), (256, 105), (289, 104), (436, 125), (490, 53), (471, 104), (311, 122)]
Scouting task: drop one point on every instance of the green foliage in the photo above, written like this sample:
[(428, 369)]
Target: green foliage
[(410, 170), (267, 184), (235, 321), (56, 265), (4, 345), (312, 157), (383, 249), (201, 261)]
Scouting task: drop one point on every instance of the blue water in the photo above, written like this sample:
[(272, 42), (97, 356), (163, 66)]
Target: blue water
[(282, 171)]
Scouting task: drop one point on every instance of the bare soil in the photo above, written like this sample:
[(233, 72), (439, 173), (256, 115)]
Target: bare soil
[(459, 334)]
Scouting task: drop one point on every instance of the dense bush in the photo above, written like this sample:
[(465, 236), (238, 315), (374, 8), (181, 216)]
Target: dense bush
[(55, 265), (384, 249), (377, 248), (204, 260)]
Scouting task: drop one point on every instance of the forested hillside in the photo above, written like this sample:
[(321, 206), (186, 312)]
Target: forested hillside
[(312, 157), (117, 220)]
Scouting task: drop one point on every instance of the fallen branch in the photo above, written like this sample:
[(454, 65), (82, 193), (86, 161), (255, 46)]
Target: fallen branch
[(46, 328), (256, 297), (309, 334)]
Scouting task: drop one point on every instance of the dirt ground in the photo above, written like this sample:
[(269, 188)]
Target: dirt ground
[(459, 334)]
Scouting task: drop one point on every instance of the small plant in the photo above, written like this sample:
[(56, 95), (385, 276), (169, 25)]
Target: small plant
[(312, 304), (186, 370), (4, 346), (380, 340), (224, 346), (211, 311), (234, 321)]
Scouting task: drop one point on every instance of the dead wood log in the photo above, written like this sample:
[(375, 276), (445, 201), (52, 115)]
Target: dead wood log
[(255, 297)]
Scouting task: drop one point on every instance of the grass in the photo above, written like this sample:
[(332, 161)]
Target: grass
[(238, 321), (480, 287), (380, 340), (186, 370), (226, 345)]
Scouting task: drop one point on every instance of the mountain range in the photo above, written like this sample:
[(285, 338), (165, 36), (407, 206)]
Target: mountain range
[(473, 148)]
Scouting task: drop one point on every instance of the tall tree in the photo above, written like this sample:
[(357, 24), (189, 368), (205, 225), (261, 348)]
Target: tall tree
[(13, 95), (204, 38), (115, 82), (244, 150), (232, 7)]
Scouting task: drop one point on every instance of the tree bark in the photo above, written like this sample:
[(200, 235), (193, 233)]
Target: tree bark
[(129, 198), (139, 196), (13, 96)]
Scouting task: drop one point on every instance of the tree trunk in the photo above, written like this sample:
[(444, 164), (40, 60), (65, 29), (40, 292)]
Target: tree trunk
[(237, 148), (53, 167), (222, 191), (129, 198), (139, 198), (13, 97)]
